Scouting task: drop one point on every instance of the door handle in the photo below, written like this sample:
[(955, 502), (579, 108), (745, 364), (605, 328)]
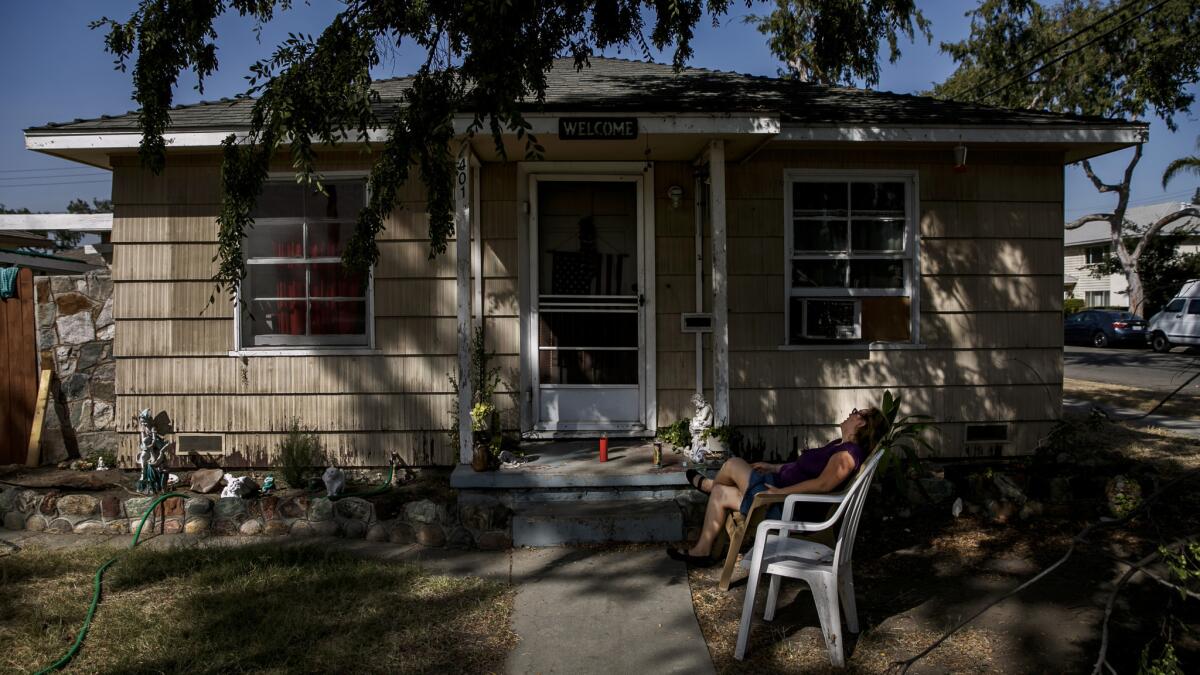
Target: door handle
[(641, 299)]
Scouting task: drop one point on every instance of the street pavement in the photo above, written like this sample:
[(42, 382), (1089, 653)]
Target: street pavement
[(1141, 368)]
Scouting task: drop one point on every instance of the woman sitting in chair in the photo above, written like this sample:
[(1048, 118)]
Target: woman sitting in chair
[(824, 469)]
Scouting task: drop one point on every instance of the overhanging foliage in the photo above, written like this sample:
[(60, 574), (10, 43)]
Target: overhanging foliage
[(481, 58)]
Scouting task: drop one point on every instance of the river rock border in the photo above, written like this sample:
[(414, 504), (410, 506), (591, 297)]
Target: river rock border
[(476, 522)]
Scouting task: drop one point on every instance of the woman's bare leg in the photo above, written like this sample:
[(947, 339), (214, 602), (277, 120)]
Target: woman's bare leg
[(724, 498), (735, 472)]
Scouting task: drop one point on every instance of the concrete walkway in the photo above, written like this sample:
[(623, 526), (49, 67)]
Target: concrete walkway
[(1180, 425), (577, 610)]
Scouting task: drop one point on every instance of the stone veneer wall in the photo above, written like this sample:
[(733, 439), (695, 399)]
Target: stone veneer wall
[(468, 521), (75, 331)]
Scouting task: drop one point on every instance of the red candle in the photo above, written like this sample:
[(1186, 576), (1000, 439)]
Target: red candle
[(604, 448)]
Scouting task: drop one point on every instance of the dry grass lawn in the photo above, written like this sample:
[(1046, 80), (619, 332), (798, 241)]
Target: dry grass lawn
[(1120, 396), (263, 609), (915, 577)]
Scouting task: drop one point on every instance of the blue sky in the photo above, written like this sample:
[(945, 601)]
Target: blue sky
[(53, 69)]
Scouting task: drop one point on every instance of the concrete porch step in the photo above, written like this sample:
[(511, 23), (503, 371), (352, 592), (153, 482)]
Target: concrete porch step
[(587, 522)]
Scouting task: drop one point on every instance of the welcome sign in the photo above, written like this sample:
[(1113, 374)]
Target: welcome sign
[(597, 128)]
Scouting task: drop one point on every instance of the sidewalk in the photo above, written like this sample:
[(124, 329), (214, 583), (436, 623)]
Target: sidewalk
[(577, 610), (1181, 426)]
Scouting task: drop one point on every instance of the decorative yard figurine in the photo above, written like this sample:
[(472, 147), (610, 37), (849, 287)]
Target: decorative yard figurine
[(703, 419), (239, 487), (152, 455), (335, 481), (702, 422)]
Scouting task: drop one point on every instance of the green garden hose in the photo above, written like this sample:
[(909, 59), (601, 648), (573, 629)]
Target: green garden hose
[(96, 579), (87, 621)]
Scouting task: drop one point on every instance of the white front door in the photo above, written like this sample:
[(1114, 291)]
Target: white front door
[(588, 318)]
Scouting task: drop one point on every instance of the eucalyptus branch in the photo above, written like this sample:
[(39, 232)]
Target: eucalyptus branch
[(1158, 225), (1102, 657), (1155, 576), (1076, 541), (1090, 218), (1101, 186)]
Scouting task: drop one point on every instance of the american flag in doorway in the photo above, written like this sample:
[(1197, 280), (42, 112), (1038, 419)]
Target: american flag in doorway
[(585, 273)]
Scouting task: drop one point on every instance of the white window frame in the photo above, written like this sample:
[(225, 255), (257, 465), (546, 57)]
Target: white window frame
[(1105, 295), (910, 256), (314, 345)]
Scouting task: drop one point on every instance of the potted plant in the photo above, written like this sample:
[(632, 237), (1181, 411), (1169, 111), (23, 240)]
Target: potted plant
[(481, 418), (676, 435), (717, 439)]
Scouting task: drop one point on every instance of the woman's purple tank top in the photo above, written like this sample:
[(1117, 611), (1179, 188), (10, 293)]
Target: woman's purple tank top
[(813, 461)]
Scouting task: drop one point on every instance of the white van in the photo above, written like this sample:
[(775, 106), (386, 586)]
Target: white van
[(1178, 324)]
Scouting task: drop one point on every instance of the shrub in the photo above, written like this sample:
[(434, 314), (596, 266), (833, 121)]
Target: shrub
[(299, 453), (1073, 306), (676, 434)]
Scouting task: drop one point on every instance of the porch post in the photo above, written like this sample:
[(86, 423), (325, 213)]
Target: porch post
[(720, 282), (462, 249)]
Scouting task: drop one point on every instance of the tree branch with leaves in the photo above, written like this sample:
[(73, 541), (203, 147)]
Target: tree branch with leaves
[(487, 61), (1101, 58)]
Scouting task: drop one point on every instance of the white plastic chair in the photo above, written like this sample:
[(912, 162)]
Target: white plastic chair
[(826, 570)]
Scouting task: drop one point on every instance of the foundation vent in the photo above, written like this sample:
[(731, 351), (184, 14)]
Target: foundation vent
[(200, 444), (986, 440)]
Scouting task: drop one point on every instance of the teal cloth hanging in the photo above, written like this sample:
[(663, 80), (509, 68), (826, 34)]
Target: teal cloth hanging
[(8, 282)]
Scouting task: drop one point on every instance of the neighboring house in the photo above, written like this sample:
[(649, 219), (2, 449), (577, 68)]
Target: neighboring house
[(1091, 244), (790, 250)]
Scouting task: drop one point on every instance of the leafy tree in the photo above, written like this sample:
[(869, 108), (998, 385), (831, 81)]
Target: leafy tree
[(485, 59), (98, 205), (1110, 58), (821, 44), (18, 212), (1190, 164), (1163, 268)]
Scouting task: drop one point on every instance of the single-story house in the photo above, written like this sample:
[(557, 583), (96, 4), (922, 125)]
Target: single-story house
[(1091, 244), (790, 250)]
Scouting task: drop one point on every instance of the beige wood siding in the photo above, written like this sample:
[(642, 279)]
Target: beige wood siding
[(173, 344), (990, 300)]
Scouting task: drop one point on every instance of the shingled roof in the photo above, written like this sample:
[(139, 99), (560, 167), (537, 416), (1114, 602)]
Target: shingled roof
[(616, 85)]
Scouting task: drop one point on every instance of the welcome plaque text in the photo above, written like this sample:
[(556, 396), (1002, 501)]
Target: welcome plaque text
[(597, 128)]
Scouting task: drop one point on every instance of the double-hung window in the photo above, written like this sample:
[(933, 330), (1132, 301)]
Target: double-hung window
[(850, 248), (298, 293)]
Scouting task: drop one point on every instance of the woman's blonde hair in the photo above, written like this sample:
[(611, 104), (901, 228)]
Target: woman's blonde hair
[(873, 429)]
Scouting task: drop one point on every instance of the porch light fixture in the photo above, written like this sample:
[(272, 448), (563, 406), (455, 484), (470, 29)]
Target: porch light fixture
[(960, 158), (676, 194)]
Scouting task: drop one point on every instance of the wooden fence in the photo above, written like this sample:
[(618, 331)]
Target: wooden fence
[(18, 370)]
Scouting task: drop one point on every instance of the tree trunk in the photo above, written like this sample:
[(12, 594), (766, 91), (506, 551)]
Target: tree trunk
[(1137, 295)]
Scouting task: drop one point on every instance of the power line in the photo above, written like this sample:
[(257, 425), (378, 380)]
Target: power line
[(1055, 60), (1164, 197), (4, 179), (1056, 45), (78, 182)]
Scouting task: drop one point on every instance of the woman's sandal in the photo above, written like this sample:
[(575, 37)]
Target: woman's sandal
[(695, 479), (690, 560)]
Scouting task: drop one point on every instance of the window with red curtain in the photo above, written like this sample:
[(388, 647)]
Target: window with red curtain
[(298, 292)]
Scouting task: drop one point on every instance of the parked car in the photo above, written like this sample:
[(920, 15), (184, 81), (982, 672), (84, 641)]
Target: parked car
[(1104, 327), (1179, 322)]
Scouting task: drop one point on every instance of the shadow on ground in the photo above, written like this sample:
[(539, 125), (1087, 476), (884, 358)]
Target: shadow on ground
[(916, 577)]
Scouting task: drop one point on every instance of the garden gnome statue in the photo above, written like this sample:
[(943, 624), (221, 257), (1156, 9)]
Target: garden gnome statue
[(152, 455), (335, 481)]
